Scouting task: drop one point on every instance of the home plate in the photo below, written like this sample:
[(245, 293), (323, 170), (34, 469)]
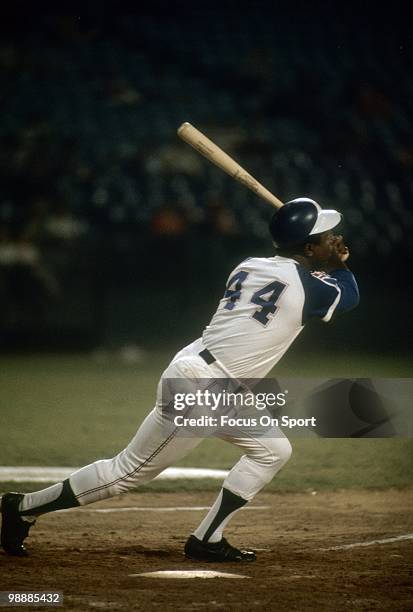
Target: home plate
[(187, 574)]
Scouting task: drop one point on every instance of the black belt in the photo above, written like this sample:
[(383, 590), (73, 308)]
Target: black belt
[(207, 356)]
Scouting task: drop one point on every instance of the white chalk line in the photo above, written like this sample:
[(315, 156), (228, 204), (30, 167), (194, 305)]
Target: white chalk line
[(54, 474), (153, 509), (407, 536)]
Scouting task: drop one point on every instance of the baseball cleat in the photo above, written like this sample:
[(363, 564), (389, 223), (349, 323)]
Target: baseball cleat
[(218, 551), (14, 529)]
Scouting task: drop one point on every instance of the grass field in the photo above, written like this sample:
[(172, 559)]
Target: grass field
[(60, 410)]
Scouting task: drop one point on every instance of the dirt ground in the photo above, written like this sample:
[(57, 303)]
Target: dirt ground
[(90, 556)]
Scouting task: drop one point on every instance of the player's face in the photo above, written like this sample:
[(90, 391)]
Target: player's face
[(322, 252)]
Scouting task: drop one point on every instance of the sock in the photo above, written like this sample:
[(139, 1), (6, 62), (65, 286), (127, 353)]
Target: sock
[(224, 508), (56, 497)]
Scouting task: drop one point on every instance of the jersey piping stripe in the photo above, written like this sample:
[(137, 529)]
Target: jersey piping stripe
[(139, 467), (333, 306)]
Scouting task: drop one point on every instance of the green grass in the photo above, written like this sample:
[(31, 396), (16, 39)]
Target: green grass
[(70, 410)]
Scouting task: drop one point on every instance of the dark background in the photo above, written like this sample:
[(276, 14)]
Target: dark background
[(114, 232)]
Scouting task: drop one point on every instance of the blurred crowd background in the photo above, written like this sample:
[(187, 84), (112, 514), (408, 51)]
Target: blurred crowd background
[(114, 232)]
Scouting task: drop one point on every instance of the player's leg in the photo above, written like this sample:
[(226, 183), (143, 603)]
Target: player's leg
[(149, 453), (264, 457), (154, 447)]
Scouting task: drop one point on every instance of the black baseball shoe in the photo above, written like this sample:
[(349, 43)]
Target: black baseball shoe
[(220, 551), (14, 529)]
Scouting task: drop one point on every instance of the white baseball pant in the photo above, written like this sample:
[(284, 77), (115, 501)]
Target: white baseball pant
[(154, 448)]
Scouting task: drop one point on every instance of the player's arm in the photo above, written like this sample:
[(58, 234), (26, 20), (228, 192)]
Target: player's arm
[(349, 292), (327, 294)]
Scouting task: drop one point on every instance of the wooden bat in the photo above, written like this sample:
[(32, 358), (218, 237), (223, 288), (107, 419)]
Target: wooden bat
[(217, 156)]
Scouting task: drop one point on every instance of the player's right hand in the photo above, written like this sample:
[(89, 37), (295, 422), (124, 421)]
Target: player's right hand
[(339, 253), (341, 250)]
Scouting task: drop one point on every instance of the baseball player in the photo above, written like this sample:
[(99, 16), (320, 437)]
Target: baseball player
[(266, 304)]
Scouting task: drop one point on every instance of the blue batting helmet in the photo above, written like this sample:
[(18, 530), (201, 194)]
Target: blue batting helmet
[(298, 219)]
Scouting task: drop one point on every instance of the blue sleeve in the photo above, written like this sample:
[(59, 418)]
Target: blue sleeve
[(326, 294), (350, 296)]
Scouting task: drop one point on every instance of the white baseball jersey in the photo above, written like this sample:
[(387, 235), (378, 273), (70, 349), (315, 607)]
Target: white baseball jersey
[(265, 306)]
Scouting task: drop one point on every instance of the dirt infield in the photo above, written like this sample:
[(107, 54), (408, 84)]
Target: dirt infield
[(89, 556)]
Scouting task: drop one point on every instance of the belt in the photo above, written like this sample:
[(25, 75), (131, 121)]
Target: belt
[(207, 356)]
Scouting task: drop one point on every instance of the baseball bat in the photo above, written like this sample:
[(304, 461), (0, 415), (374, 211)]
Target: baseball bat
[(217, 156)]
